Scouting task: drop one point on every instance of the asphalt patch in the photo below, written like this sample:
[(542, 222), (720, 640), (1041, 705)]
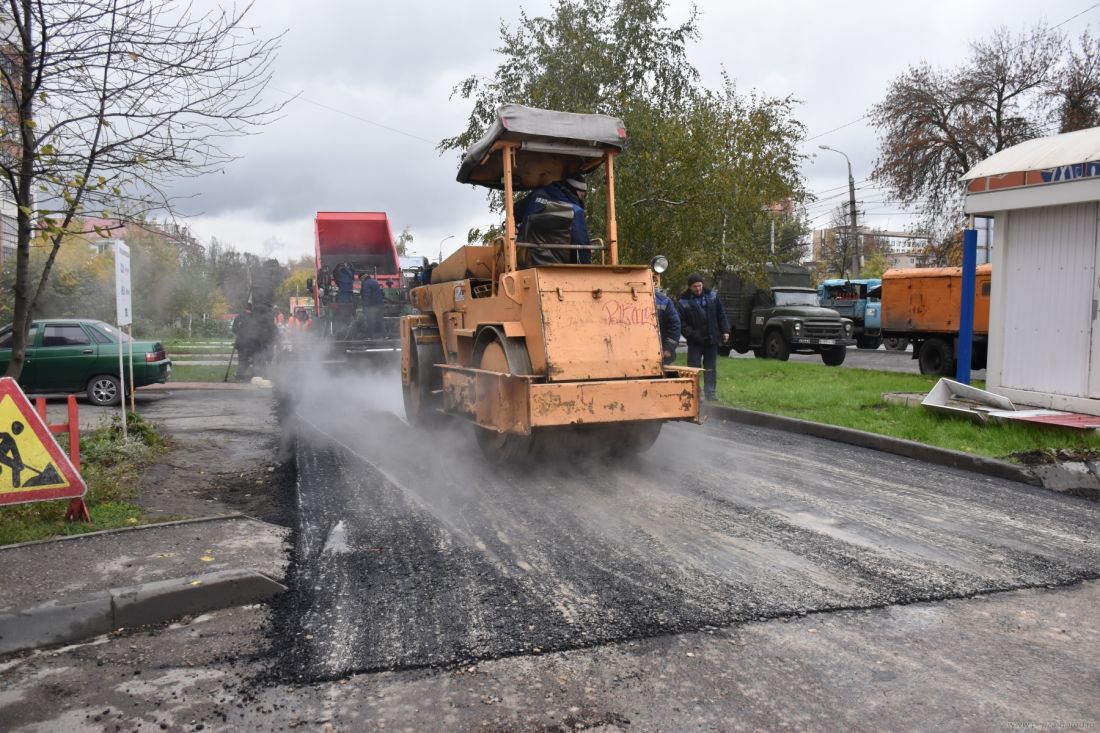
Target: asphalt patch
[(409, 558)]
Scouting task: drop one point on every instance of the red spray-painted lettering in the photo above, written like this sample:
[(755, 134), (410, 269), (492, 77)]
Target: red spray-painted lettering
[(629, 314)]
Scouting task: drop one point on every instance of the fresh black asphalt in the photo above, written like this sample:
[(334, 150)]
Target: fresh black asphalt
[(410, 552)]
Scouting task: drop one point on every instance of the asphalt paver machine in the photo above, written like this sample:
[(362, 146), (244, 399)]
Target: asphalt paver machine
[(523, 351)]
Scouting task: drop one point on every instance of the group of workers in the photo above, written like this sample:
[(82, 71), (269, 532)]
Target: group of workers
[(372, 323), (254, 336)]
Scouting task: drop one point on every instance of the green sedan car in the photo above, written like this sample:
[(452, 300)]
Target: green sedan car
[(81, 355)]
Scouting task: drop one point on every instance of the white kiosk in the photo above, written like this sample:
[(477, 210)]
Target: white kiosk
[(1044, 336)]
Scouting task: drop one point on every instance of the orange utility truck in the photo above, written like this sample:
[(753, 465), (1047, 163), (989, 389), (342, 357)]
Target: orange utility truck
[(923, 305)]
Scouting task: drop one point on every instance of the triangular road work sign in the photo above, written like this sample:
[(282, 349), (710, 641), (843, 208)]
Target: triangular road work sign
[(32, 465)]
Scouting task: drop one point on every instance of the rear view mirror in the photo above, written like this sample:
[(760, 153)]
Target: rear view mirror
[(309, 284)]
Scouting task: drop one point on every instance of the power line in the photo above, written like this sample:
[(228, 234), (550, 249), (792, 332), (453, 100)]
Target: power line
[(433, 143), (865, 116), (1094, 6), (829, 132)]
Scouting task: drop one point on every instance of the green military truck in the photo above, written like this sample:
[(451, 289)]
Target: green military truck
[(782, 318)]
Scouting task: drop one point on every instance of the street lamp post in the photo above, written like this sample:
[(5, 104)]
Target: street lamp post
[(851, 212), (441, 246)]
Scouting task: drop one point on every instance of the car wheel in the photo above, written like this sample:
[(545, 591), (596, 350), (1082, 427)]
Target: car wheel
[(775, 347), (104, 390), (834, 356), (936, 358)]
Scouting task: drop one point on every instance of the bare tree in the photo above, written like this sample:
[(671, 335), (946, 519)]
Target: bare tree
[(934, 125), (1076, 86), (103, 102)]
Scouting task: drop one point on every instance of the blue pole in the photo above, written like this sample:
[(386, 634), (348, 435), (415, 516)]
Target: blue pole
[(966, 307)]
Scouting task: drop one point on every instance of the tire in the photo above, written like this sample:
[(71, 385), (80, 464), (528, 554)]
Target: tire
[(775, 346), (501, 448), (104, 390), (936, 358), (834, 356), (868, 342), (896, 344), (422, 401), (636, 437)]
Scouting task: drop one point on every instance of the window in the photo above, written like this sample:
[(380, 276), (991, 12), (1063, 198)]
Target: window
[(100, 337), (65, 334), (108, 332), (795, 297), (985, 289), (6, 336)]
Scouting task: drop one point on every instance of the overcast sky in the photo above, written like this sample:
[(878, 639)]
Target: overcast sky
[(375, 81)]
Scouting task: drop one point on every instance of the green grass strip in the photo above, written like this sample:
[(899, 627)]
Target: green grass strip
[(852, 398)]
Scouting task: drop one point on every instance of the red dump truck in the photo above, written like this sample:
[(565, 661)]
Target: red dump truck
[(351, 246)]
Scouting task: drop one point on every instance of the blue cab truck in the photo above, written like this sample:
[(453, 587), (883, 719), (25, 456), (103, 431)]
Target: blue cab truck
[(850, 299), (872, 321)]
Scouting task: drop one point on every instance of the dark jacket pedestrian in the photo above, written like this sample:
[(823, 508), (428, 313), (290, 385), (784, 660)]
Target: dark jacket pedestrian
[(373, 302), (668, 319), (554, 214), (344, 275), (371, 292), (704, 324), (702, 317)]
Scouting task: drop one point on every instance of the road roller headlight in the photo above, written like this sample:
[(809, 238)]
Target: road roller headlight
[(659, 264)]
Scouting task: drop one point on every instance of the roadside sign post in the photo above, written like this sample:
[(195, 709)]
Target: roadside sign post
[(966, 306), (32, 465), (124, 317)]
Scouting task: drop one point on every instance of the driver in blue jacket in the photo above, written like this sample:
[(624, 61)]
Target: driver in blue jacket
[(554, 214)]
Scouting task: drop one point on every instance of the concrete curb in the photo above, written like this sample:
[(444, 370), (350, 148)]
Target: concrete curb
[(135, 528), (897, 446), (169, 386), (69, 620)]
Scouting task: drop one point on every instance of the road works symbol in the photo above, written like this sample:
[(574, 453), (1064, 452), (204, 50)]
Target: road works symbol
[(32, 465)]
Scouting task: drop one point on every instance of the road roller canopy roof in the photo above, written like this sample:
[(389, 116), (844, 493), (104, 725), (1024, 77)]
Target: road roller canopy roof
[(551, 146)]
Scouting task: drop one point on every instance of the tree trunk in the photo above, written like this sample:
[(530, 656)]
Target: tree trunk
[(24, 203)]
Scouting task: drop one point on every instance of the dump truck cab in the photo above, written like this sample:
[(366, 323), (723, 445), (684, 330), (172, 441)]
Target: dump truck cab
[(785, 317), (522, 349), (850, 299)]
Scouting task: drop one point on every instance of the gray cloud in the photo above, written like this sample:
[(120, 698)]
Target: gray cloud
[(396, 63)]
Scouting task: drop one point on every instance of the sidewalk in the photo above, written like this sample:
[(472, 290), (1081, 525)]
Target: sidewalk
[(67, 589), (223, 462)]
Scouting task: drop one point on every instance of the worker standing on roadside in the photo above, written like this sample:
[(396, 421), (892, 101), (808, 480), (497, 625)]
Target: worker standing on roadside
[(244, 341), (373, 302), (704, 324), (668, 319)]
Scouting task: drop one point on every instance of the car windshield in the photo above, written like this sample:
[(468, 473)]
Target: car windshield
[(795, 297), (113, 334)]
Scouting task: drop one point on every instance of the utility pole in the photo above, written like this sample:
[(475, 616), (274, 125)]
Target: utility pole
[(854, 232)]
